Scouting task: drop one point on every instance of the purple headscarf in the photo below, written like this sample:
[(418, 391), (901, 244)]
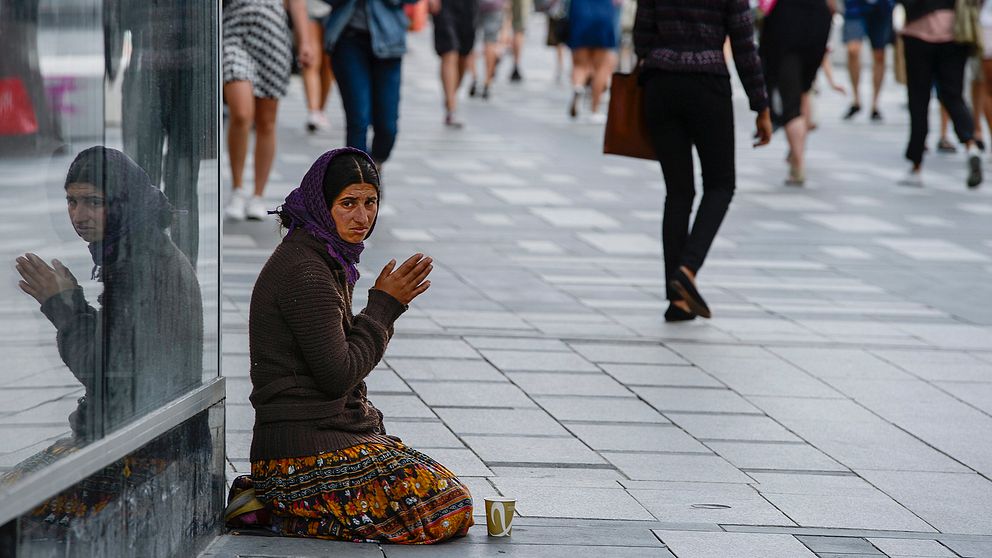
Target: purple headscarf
[(306, 208)]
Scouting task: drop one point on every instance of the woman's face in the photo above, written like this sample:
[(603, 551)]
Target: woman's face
[(354, 211), (87, 210)]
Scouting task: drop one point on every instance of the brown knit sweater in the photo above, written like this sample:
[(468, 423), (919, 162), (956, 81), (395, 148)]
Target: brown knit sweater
[(310, 355)]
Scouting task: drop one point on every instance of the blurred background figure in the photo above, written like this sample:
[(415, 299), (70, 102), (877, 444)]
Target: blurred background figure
[(491, 16), (367, 41), (520, 13), (593, 36), (257, 56), (454, 42), (933, 58), (318, 78), (793, 44), (168, 75), (872, 20), (558, 34)]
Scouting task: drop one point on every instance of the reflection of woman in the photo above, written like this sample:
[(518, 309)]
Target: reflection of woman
[(321, 461), (793, 43), (145, 344)]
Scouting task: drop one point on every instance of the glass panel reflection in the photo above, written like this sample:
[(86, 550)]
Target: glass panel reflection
[(108, 209)]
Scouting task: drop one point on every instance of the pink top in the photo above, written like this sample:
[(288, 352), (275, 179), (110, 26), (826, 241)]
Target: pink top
[(935, 27)]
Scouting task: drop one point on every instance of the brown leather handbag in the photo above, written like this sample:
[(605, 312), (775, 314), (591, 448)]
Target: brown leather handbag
[(626, 133)]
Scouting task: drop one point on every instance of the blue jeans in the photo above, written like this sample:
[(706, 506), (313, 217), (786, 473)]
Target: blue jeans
[(370, 92)]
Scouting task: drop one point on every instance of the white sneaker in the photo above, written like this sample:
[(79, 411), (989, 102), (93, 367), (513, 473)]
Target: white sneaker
[(316, 121), (256, 210), (235, 208), (597, 118), (912, 178)]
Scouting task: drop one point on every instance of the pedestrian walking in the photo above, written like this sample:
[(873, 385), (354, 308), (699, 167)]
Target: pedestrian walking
[(367, 41), (491, 15), (257, 55), (318, 78), (688, 103), (872, 20), (933, 56), (593, 36), (520, 11), (454, 42), (322, 464), (557, 22), (793, 44)]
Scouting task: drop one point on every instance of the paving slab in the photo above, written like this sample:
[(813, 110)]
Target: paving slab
[(513, 449), (536, 383), (732, 427), (600, 409), (637, 437), (710, 503), (660, 375), (794, 457), (957, 503), (675, 467), (688, 544), (912, 547), (543, 361), (574, 502), (627, 353), (667, 399), (471, 394), (838, 545), (533, 422), (444, 369)]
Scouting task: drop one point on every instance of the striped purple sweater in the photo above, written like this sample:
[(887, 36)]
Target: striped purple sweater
[(688, 36)]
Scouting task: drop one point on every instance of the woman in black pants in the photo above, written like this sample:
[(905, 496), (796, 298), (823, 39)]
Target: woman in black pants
[(687, 87), (793, 43), (932, 57)]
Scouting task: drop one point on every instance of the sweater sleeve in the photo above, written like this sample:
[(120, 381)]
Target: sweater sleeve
[(740, 29), (644, 28), (79, 337), (311, 303)]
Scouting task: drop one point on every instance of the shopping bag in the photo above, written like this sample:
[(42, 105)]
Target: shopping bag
[(417, 14), (626, 133), (17, 116)]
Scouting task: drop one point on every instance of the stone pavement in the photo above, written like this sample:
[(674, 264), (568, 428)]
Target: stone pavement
[(839, 404)]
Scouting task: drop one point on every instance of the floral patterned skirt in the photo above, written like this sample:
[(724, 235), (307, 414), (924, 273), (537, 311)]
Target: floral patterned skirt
[(368, 492)]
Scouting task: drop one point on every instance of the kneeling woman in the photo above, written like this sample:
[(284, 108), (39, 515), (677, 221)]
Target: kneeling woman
[(321, 461)]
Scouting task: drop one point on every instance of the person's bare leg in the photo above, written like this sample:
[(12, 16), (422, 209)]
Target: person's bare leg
[(449, 80), (854, 71), (265, 140), (241, 112), (604, 62), (877, 76), (311, 74), (795, 133), (466, 65), (944, 120), (580, 75), (491, 53), (559, 62), (326, 77)]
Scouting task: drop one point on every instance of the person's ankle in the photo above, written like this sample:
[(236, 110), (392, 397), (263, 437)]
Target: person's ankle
[(689, 273)]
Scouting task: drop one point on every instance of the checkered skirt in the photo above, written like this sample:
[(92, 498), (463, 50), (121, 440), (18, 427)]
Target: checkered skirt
[(257, 46)]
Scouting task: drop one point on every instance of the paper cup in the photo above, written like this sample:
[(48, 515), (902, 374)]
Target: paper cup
[(499, 516)]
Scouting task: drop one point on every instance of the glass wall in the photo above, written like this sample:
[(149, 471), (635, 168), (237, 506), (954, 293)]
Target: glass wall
[(109, 189)]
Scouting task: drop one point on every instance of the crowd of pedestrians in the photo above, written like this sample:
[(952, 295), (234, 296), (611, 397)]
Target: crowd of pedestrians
[(322, 463)]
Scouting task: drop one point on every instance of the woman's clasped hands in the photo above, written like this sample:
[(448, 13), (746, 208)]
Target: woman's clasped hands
[(408, 281)]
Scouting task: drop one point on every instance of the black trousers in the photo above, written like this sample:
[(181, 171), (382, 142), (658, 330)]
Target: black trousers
[(681, 111), (927, 64)]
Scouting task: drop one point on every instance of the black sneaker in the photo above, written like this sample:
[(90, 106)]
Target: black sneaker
[(974, 170), (515, 76), (980, 144), (472, 90), (855, 109), (485, 92), (876, 116), (945, 146), (676, 314)]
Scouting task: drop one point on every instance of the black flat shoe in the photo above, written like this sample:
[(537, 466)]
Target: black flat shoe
[(682, 285), (676, 314), (855, 109)]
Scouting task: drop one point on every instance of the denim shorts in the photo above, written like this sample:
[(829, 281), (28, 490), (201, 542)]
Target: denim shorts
[(875, 24)]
